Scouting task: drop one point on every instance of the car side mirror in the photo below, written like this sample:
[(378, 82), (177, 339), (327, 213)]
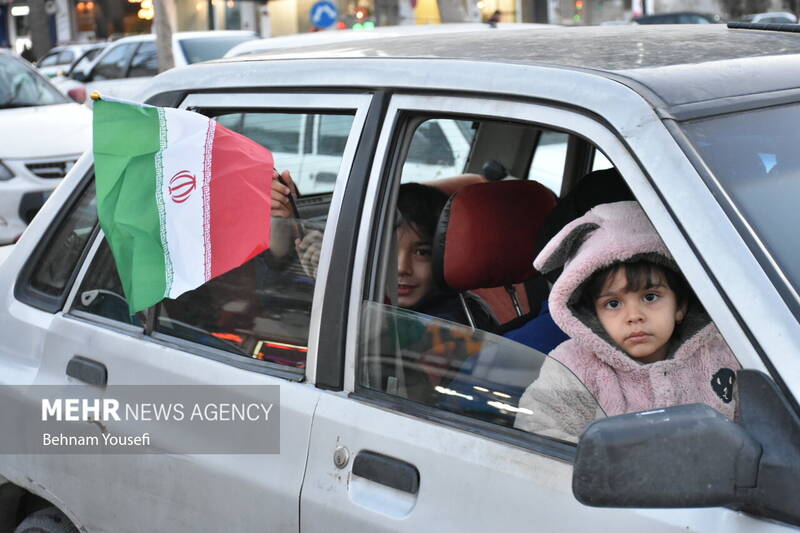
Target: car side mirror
[(80, 76), (693, 456)]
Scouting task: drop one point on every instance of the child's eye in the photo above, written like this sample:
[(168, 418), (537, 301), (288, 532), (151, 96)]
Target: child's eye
[(651, 297), (612, 304), (423, 252)]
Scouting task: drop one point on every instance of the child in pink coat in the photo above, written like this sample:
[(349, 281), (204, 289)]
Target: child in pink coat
[(639, 340)]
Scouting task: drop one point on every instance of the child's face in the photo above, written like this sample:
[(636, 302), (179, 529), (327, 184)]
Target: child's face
[(414, 268), (641, 322)]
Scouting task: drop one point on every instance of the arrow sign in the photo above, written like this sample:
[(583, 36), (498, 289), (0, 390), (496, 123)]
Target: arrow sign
[(324, 14)]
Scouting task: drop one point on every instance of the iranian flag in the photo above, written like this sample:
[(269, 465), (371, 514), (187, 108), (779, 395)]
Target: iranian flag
[(181, 199)]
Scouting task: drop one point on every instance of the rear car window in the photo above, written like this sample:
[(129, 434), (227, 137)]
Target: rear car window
[(198, 49), (55, 267)]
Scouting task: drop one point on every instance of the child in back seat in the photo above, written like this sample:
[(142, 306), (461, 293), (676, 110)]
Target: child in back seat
[(639, 338)]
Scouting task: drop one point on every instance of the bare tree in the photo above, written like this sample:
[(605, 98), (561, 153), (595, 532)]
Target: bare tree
[(453, 11), (163, 24), (40, 28)]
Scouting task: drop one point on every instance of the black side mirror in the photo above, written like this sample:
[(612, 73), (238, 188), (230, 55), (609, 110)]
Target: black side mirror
[(661, 458), (692, 456), (80, 76)]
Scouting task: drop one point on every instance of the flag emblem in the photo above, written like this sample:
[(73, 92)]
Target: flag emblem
[(181, 186)]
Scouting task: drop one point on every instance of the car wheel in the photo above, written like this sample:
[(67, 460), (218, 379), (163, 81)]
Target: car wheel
[(48, 520)]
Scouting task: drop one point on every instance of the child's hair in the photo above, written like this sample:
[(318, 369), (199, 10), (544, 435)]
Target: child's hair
[(419, 206), (639, 274)]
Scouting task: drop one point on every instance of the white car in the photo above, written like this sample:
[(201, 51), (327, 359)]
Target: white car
[(387, 419), (42, 136), (126, 66), (61, 57), (771, 17)]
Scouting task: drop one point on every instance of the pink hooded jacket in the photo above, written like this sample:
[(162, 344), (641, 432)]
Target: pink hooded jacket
[(699, 369)]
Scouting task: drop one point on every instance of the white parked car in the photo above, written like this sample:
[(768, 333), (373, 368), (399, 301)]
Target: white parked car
[(771, 17), (126, 66), (43, 134), (61, 58), (391, 419)]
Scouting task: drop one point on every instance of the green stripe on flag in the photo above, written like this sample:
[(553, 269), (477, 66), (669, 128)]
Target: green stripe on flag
[(127, 139)]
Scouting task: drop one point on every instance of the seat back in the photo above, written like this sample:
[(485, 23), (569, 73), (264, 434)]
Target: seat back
[(486, 240)]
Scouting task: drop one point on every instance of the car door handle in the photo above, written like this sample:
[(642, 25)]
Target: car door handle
[(87, 370), (387, 471)]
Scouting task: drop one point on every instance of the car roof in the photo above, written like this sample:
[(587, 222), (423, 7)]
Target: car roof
[(338, 36), (673, 64)]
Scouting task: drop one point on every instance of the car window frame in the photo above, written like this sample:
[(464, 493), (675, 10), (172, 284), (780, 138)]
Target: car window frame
[(562, 118), (23, 289), (98, 60), (263, 102), (133, 56)]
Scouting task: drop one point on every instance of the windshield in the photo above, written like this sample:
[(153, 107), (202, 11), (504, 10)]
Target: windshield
[(206, 48), (22, 87), (755, 157), (85, 62)]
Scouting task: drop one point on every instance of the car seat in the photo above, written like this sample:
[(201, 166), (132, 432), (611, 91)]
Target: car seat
[(485, 242)]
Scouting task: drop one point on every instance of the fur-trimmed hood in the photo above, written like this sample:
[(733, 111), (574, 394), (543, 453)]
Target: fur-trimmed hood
[(607, 234)]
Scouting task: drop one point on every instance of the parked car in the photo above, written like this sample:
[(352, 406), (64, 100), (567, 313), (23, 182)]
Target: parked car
[(125, 67), (681, 17), (64, 80), (61, 57), (772, 17), (43, 135), (368, 439)]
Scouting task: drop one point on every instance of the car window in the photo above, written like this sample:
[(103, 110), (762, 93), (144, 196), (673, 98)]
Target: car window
[(101, 291), (198, 49), (439, 148), (259, 311), (84, 63), (49, 59), (754, 157), (114, 64), (332, 134), (66, 57), (56, 266), (145, 61), (289, 136), (459, 369), (549, 159), (21, 86)]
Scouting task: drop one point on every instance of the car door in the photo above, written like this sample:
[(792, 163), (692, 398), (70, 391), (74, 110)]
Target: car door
[(386, 457), (251, 330)]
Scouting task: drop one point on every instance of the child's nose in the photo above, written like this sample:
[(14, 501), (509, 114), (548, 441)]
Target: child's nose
[(635, 314), (403, 263)]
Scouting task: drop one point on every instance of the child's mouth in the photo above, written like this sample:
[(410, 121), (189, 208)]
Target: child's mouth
[(637, 337), (405, 290)]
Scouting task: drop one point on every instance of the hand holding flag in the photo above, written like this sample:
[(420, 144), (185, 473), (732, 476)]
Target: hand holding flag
[(181, 199)]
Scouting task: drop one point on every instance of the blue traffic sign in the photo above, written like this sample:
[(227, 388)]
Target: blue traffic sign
[(324, 14)]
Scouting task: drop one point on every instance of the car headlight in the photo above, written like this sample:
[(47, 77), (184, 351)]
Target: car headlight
[(5, 173)]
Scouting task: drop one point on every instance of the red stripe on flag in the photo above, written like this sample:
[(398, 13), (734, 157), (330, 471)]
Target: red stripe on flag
[(241, 177)]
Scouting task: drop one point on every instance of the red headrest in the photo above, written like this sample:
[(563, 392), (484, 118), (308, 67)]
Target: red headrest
[(487, 234)]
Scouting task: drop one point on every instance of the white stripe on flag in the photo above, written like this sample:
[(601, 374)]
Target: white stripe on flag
[(184, 180)]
